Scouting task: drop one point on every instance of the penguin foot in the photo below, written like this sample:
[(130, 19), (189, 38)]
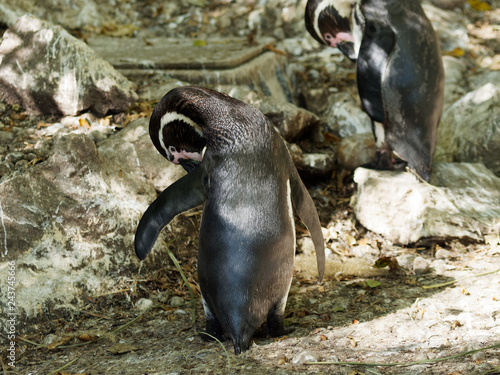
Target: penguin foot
[(213, 331), (208, 337)]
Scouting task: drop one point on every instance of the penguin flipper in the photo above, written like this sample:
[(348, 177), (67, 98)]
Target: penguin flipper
[(376, 46), (305, 208), (188, 192)]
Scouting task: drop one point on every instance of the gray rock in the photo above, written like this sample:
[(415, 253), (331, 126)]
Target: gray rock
[(176, 301), (133, 149), (68, 222), (464, 202), (478, 110), (420, 266), (449, 4), (143, 304), (291, 121), (345, 117), (305, 356), (454, 79), (356, 150), (451, 27), (318, 164), (442, 254), (6, 137), (74, 14), (48, 71)]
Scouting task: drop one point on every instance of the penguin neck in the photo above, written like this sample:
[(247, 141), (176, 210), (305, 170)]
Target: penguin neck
[(234, 137)]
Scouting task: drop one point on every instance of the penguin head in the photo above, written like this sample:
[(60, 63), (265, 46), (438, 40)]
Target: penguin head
[(190, 120), (176, 135), (329, 22)]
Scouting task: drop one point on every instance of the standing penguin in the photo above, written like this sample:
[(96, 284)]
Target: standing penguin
[(400, 72), (241, 167)]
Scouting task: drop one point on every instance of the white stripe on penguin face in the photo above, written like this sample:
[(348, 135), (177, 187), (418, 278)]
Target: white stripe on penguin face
[(174, 116)]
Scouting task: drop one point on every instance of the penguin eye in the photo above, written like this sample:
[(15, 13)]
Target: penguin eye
[(172, 149), (328, 37)]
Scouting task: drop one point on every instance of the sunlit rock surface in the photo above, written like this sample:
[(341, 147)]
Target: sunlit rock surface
[(68, 222), (470, 129), (48, 71), (463, 200)]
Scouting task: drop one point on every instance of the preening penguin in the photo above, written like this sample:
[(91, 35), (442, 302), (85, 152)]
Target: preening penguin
[(400, 72), (240, 166)]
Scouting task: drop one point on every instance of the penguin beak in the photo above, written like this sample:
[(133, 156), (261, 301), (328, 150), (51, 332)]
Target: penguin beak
[(189, 164), (347, 48)]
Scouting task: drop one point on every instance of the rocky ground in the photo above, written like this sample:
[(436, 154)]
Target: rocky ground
[(426, 302)]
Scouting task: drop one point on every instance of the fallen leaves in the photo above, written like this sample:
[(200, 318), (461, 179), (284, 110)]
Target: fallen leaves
[(122, 348), (479, 5)]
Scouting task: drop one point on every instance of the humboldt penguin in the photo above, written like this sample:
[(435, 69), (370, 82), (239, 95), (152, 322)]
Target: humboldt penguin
[(239, 165), (400, 72)]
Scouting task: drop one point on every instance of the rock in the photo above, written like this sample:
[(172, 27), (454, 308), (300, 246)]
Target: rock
[(450, 27), (420, 266), (442, 254), (449, 4), (290, 120), (356, 150), (464, 202), (75, 14), (142, 158), (176, 301), (470, 129), (68, 223), (318, 164), (345, 117), (305, 356), (143, 304), (454, 80), (48, 71)]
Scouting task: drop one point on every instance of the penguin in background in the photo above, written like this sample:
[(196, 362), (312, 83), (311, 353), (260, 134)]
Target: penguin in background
[(400, 73), (239, 165)]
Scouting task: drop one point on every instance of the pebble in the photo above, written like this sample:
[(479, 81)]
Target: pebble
[(442, 254), (5, 137), (14, 157), (143, 304), (420, 266), (176, 301), (5, 168), (305, 356)]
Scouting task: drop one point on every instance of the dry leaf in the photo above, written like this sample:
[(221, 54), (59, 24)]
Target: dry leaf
[(479, 5), (122, 348), (62, 341), (456, 52), (86, 337), (283, 360)]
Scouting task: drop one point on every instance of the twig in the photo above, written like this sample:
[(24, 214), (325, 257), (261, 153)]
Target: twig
[(178, 266), (457, 280), (66, 365), (435, 360)]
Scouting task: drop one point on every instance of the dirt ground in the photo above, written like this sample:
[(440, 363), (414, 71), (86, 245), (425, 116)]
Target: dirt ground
[(358, 314)]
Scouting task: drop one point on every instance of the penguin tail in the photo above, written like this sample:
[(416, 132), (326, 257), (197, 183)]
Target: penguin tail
[(241, 345)]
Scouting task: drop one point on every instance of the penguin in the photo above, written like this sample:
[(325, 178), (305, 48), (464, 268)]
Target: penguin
[(241, 169), (399, 71)]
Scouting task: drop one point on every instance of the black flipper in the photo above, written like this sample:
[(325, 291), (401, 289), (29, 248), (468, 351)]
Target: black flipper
[(188, 192), (376, 46), (305, 208)]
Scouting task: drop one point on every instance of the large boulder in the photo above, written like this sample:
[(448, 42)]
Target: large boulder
[(48, 71), (68, 223), (462, 202), (470, 129)]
